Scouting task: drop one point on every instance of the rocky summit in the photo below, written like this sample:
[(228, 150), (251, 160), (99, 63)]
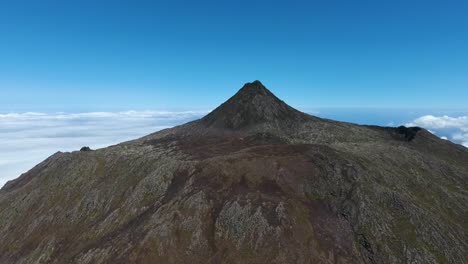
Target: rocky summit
[(254, 181)]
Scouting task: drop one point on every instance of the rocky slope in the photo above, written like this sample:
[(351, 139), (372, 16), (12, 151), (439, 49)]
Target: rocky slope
[(255, 181)]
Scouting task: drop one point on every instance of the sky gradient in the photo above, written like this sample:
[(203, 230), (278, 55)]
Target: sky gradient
[(135, 55)]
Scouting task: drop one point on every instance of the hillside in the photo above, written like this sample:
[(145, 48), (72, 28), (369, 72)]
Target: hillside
[(254, 181)]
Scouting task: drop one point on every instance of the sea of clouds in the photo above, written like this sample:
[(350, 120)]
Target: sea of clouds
[(28, 138), (452, 128)]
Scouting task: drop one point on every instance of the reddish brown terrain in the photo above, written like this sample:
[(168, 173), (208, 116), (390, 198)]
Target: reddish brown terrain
[(254, 181)]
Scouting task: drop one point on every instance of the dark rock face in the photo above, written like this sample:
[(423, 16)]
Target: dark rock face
[(85, 149), (255, 181), (408, 132)]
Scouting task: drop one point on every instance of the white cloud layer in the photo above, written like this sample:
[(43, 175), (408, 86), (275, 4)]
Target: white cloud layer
[(452, 128), (28, 138)]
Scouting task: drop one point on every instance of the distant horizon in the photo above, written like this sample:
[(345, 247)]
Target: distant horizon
[(310, 110)]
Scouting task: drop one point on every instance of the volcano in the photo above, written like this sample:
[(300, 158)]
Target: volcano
[(254, 181), (251, 106)]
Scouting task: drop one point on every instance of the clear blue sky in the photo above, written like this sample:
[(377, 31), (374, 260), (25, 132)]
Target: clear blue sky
[(86, 56)]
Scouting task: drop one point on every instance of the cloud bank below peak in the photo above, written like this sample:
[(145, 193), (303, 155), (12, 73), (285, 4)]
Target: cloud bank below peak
[(447, 127), (28, 138)]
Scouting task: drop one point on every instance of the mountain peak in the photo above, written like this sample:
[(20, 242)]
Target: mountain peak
[(252, 89), (253, 104), (255, 85)]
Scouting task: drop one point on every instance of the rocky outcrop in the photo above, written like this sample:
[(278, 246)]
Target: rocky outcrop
[(85, 149), (255, 181)]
